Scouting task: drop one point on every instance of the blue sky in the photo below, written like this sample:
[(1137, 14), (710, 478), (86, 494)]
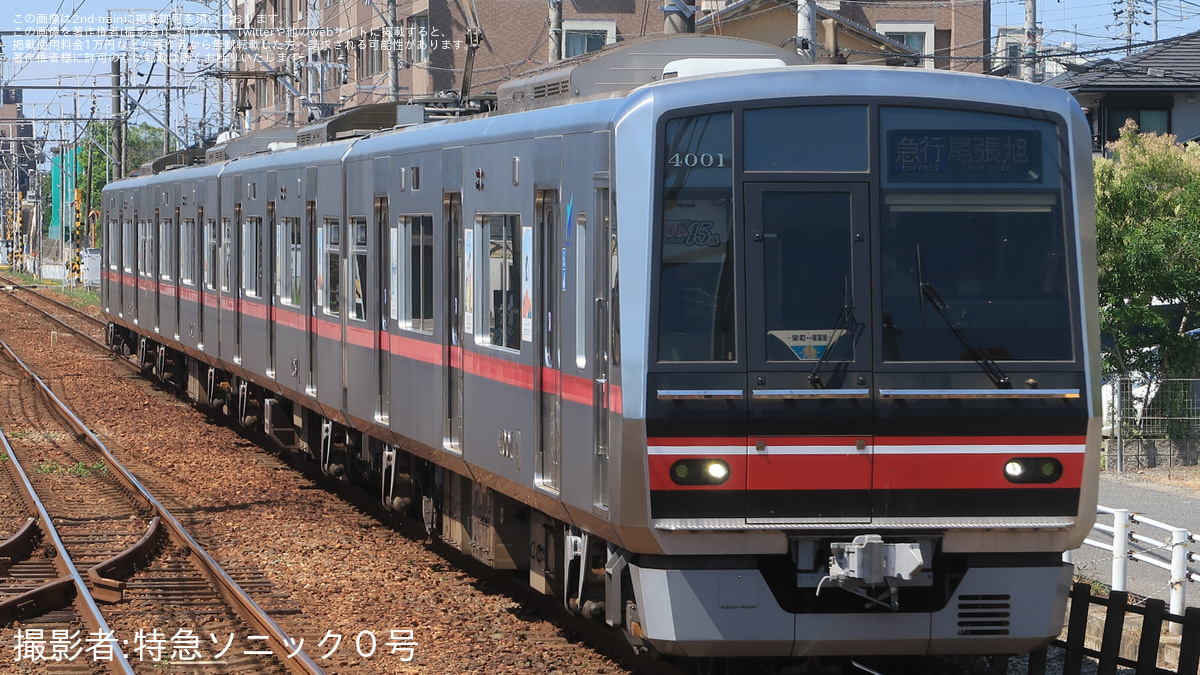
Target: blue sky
[(1092, 24)]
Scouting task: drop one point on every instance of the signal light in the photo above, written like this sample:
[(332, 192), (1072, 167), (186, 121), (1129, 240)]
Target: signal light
[(1033, 470), (700, 471)]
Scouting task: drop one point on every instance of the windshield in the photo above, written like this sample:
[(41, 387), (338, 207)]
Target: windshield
[(998, 262)]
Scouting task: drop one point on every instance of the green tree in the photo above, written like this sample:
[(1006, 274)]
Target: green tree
[(1148, 245), (96, 166)]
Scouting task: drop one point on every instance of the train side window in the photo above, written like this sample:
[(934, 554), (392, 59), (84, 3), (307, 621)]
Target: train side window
[(329, 276), (418, 266), (292, 284), (358, 268), (187, 252), (252, 257), (130, 247), (583, 308), (146, 255), (502, 280), (210, 254), (110, 229), (226, 255), (166, 249)]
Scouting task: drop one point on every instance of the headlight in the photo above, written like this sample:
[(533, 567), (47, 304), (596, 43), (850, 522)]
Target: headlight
[(700, 471), (1033, 470)]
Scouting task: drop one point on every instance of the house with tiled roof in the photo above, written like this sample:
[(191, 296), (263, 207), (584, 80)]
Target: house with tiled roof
[(839, 40), (1159, 88)]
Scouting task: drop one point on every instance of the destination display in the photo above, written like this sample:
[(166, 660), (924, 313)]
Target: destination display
[(988, 156)]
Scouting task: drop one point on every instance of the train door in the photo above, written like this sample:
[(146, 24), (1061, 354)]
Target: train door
[(268, 290), (548, 469), (209, 298), (200, 274), (156, 246), (603, 255), (810, 427), (455, 333), (176, 251), (127, 297), (228, 324), (312, 242), (383, 352), (238, 288)]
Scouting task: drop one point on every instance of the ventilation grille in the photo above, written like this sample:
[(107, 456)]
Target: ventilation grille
[(983, 614), (558, 88)]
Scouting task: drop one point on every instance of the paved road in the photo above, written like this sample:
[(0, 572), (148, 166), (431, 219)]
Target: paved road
[(1172, 505)]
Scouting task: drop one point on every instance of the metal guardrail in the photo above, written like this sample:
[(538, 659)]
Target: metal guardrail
[(1126, 544)]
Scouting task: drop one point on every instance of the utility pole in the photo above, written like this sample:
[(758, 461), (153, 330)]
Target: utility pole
[(680, 17), (556, 30), (1029, 68), (393, 54), (1130, 21), (806, 30), (167, 94), (118, 123)]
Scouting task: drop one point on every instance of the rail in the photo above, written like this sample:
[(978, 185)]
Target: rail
[(246, 607), (1125, 545), (70, 582)]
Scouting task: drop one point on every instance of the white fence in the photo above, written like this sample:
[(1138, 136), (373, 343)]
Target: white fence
[(1126, 544)]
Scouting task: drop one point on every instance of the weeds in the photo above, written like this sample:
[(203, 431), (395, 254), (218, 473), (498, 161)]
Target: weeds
[(79, 470)]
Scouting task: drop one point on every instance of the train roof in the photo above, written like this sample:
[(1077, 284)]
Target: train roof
[(618, 71)]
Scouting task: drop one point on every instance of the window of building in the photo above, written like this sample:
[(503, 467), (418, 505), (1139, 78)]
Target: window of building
[(418, 38), (916, 35), (581, 36), (1151, 114), (262, 99)]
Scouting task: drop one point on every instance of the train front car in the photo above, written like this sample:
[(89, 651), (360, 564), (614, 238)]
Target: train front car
[(869, 408)]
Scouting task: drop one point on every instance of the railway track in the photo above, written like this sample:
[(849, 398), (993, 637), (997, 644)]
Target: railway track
[(115, 546), (74, 320)]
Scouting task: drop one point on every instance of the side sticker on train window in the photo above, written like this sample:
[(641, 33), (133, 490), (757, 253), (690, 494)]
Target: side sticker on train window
[(808, 345), (469, 279), (527, 284)]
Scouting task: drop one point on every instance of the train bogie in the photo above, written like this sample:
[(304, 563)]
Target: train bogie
[(696, 366)]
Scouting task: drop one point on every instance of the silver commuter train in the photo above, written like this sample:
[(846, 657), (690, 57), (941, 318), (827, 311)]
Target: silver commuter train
[(791, 361)]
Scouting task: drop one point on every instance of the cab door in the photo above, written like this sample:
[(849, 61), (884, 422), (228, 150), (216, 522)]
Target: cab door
[(810, 413)]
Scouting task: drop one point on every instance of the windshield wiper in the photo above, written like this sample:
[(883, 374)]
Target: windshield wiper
[(843, 318), (980, 356)]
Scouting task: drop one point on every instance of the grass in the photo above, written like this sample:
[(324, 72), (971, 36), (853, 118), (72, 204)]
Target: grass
[(79, 470), (78, 296)]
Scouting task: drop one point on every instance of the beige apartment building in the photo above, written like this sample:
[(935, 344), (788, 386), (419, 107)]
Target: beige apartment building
[(325, 56)]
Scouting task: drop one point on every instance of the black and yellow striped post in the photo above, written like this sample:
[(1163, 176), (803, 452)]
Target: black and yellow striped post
[(18, 244), (76, 268)]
